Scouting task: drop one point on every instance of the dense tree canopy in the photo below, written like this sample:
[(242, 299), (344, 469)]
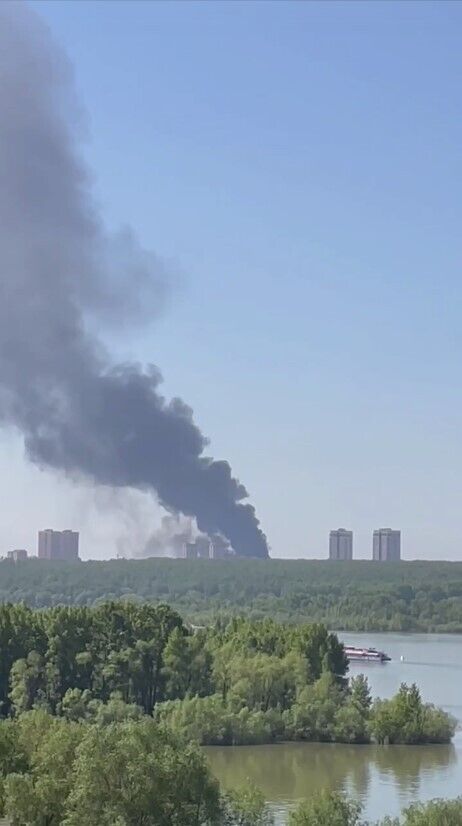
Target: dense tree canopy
[(47, 656), (104, 709), (354, 596), (238, 681), (124, 774)]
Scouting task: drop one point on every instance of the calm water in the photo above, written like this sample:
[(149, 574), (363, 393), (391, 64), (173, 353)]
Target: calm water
[(384, 778)]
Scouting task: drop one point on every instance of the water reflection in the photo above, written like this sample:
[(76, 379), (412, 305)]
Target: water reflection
[(384, 779), (293, 770)]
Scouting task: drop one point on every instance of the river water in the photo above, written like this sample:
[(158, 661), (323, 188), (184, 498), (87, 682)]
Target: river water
[(383, 778)]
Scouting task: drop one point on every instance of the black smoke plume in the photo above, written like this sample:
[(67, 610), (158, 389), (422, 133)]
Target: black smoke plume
[(60, 272)]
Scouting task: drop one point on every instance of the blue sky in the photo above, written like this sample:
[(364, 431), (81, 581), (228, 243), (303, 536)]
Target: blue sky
[(299, 166)]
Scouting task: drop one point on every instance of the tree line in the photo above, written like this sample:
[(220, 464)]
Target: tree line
[(57, 772), (239, 681), (143, 655), (350, 596), (104, 710)]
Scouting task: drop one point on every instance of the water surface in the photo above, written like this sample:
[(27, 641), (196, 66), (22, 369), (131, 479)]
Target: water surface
[(383, 778)]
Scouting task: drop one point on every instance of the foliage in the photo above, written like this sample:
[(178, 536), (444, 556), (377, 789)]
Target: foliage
[(353, 596), (187, 664), (321, 711), (406, 719), (101, 706), (124, 773), (58, 772), (46, 746), (55, 772), (212, 722), (326, 810), (352, 720), (245, 807), (66, 657), (145, 775), (435, 813), (332, 809), (236, 682)]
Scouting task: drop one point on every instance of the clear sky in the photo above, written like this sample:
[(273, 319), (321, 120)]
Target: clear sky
[(299, 165)]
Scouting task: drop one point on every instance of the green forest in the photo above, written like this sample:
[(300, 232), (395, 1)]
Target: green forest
[(345, 596), (238, 682), (105, 709)]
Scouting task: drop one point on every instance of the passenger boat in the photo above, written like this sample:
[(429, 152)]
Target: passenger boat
[(370, 655)]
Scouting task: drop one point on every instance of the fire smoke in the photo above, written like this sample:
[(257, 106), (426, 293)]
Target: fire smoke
[(61, 276)]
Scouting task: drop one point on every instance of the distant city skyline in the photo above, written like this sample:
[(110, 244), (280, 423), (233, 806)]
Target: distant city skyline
[(54, 544), (385, 545)]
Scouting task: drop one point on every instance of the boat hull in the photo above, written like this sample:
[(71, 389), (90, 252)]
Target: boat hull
[(366, 655)]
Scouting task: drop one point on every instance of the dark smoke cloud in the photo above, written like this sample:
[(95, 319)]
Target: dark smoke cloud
[(78, 412)]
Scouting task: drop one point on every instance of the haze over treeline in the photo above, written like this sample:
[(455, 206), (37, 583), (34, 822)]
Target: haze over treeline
[(64, 279)]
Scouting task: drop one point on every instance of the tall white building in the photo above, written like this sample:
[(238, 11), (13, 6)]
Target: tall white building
[(386, 545), (341, 544)]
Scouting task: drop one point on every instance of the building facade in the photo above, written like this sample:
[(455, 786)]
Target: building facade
[(341, 544), (62, 545), (386, 545), (220, 548), (18, 555), (200, 549), (205, 548), (69, 545)]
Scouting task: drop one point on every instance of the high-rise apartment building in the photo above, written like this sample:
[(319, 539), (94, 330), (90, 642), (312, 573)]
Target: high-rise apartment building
[(58, 545), (386, 545), (341, 544), (49, 544), (205, 548), (200, 549), (69, 544), (220, 548), (19, 555)]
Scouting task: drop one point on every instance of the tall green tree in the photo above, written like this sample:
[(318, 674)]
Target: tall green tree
[(187, 665), (37, 796), (145, 775), (69, 634), (28, 682), (21, 631)]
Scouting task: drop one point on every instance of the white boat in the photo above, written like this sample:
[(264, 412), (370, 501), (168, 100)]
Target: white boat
[(370, 655)]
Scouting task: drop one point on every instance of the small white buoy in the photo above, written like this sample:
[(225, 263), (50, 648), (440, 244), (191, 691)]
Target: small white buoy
[(402, 658)]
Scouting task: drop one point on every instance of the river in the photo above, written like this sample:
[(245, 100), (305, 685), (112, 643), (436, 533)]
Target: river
[(383, 778)]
